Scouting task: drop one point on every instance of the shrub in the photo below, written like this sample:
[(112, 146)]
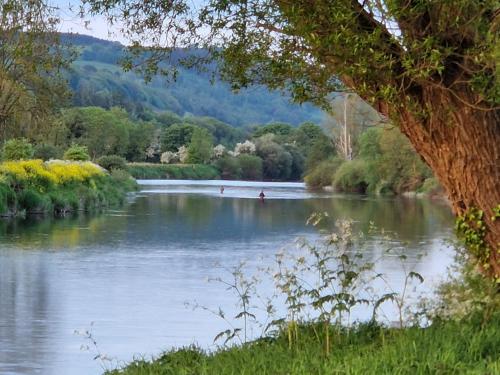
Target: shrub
[(250, 166), (229, 168), (28, 172), (17, 149), (7, 198), (322, 175), (47, 152), (351, 176), (111, 162), (67, 172), (59, 186), (64, 201), (124, 179), (32, 201), (169, 157), (77, 153)]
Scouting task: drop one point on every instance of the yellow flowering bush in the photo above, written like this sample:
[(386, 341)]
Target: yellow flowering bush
[(27, 171), (65, 171), (34, 186), (53, 172)]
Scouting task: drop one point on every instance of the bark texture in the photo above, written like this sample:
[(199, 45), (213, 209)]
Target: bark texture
[(461, 144)]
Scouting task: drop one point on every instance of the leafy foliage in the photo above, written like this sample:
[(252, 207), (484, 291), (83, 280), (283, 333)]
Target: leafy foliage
[(76, 153), (176, 136), (385, 163), (112, 162), (200, 147), (17, 149), (229, 168), (102, 132), (276, 161), (322, 174), (32, 87), (46, 152), (251, 167)]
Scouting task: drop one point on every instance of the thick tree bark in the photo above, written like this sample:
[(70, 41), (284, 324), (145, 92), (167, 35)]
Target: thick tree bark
[(461, 144)]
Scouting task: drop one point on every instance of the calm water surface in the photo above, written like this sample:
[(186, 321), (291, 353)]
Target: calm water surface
[(131, 271)]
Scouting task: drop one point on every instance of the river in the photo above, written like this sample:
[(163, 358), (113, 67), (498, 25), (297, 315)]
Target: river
[(128, 273)]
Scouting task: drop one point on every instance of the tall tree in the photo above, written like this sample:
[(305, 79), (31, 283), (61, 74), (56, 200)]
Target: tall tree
[(31, 61), (431, 66)]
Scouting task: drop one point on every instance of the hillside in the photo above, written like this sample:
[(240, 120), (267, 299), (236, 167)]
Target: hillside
[(98, 80)]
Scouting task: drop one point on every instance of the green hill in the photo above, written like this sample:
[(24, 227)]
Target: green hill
[(97, 80)]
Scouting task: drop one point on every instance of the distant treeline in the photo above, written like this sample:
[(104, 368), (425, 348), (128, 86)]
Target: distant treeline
[(276, 151), (380, 160)]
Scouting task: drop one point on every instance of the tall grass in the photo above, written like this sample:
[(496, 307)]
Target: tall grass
[(443, 348)]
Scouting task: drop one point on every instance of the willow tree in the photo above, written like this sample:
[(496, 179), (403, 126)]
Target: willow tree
[(429, 65), (31, 63)]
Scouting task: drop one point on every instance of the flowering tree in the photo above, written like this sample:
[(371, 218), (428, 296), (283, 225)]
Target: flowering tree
[(246, 147), (169, 157), (218, 152)]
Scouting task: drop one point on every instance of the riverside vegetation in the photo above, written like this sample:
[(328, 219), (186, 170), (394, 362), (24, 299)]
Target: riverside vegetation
[(322, 285), (58, 186)]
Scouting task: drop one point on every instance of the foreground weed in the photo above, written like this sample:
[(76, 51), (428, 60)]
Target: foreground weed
[(91, 346), (322, 283)]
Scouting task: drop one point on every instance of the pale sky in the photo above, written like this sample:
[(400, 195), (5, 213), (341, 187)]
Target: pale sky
[(97, 25), (71, 22)]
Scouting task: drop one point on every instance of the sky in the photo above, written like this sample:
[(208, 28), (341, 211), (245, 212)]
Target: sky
[(96, 26), (71, 22)]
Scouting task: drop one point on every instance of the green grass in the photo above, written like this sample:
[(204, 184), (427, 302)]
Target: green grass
[(443, 348), (150, 171)]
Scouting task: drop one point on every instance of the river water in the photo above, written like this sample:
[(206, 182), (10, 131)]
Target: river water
[(127, 274)]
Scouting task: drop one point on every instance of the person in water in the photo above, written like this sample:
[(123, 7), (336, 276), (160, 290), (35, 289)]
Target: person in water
[(222, 189), (262, 195)]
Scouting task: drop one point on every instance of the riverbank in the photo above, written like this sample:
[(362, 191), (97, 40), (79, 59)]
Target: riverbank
[(152, 171), (59, 187), (446, 347)]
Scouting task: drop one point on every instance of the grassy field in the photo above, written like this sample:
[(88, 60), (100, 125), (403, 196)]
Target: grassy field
[(150, 171), (443, 348)]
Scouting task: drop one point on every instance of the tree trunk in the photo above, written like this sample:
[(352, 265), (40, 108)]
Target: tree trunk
[(461, 144)]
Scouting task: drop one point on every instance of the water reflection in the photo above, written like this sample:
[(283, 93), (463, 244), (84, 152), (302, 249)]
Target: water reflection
[(131, 270)]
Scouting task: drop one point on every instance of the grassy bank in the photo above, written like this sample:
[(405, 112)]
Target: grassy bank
[(37, 187), (443, 348), (150, 171)]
